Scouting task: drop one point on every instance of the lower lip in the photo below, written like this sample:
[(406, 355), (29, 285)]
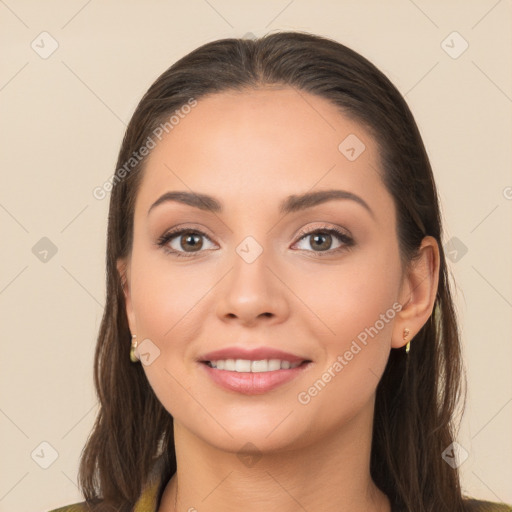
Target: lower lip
[(249, 383)]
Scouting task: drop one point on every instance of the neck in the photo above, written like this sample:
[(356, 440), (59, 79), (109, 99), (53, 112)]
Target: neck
[(332, 474)]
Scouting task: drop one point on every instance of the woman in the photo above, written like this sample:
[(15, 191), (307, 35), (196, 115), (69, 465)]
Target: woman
[(276, 272)]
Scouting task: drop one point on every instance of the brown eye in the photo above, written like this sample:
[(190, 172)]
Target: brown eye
[(321, 241), (190, 240), (184, 242)]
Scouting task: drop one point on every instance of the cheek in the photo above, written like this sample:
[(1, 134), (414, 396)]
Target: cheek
[(345, 300), (165, 295), (168, 300), (357, 304)]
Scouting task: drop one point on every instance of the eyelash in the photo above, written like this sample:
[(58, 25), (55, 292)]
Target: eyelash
[(347, 241)]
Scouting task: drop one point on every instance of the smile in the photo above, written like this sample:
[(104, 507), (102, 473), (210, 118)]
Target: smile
[(255, 366)]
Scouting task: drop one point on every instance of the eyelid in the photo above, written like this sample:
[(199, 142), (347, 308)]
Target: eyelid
[(323, 227), (181, 228)]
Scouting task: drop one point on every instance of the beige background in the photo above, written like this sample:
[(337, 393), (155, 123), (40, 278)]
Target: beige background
[(62, 121)]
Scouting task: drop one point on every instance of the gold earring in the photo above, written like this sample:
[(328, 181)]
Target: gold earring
[(133, 354), (408, 346)]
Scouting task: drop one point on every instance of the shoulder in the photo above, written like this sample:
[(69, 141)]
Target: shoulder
[(471, 505), (485, 506), (74, 507), (148, 500)]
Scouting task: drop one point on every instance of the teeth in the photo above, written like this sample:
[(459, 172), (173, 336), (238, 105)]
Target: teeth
[(242, 365), (274, 364), (246, 365)]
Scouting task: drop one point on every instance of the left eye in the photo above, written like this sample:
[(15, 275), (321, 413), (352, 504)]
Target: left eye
[(322, 239)]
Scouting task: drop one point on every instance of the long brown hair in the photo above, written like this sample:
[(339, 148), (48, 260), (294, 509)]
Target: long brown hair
[(418, 395)]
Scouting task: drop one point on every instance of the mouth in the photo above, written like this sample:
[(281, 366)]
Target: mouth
[(254, 366), (252, 374)]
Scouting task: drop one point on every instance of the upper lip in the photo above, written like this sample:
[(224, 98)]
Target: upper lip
[(255, 354)]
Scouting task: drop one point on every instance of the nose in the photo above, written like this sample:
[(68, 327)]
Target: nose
[(253, 292)]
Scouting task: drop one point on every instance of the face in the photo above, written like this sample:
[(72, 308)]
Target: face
[(261, 273)]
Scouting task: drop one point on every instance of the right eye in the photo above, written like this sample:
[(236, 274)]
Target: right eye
[(178, 241)]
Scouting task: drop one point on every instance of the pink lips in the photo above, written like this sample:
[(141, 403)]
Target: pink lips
[(247, 382)]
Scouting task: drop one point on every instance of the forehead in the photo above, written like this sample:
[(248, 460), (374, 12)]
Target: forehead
[(252, 146)]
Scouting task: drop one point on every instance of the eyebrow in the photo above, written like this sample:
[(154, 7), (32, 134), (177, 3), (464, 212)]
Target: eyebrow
[(291, 204)]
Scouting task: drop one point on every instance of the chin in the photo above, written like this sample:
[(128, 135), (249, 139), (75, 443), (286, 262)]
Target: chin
[(265, 430), (255, 440)]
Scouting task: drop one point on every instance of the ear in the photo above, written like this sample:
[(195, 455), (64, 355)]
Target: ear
[(418, 292), (123, 267)]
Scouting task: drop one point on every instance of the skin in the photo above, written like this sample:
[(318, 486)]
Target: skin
[(250, 150)]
